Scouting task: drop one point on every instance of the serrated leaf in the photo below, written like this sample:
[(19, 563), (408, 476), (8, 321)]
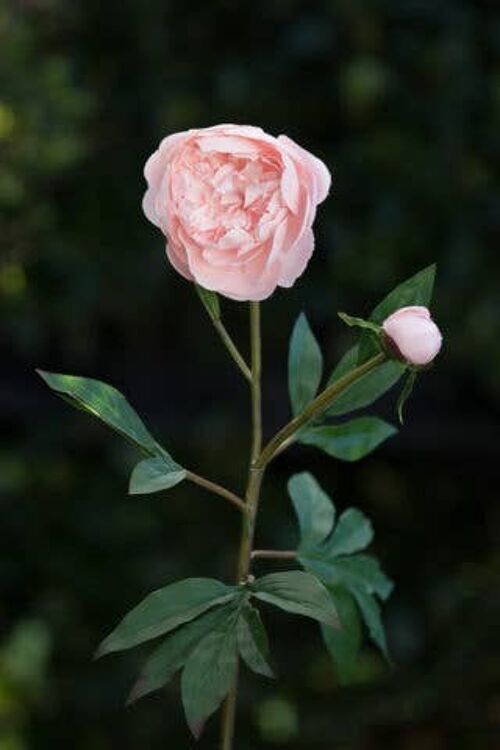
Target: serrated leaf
[(253, 643), (305, 365), (344, 644), (417, 290), (367, 389), (210, 301), (297, 592), (315, 511), (155, 475), (164, 610), (172, 654), (104, 402), (349, 441), (352, 533), (370, 610), (208, 675)]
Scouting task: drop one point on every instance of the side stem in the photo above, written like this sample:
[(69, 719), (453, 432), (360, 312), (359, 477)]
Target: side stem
[(255, 476), (216, 489), (285, 436), (274, 554), (232, 349)]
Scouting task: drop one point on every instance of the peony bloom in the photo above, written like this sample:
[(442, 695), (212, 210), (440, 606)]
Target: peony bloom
[(236, 206), (412, 334)]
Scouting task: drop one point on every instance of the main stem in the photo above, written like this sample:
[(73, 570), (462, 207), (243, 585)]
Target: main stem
[(254, 482)]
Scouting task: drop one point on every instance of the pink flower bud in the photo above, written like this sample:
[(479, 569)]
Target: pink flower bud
[(412, 334)]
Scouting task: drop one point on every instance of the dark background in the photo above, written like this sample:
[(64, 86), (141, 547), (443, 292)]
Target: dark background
[(401, 98)]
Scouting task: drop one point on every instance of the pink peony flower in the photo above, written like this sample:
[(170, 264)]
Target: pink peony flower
[(236, 206), (413, 335)]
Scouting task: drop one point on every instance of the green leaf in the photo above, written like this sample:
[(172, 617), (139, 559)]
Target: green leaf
[(165, 609), (370, 609), (347, 363), (210, 301), (361, 572), (253, 643), (344, 644), (406, 393), (315, 511), (359, 323), (104, 402), (154, 475), (209, 674), (417, 290), (349, 441), (297, 592), (352, 533), (367, 389), (172, 654), (305, 365)]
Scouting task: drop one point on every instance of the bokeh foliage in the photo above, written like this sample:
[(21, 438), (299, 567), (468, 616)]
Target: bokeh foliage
[(402, 100)]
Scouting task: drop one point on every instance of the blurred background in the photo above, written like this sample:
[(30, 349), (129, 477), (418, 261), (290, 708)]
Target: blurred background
[(401, 98)]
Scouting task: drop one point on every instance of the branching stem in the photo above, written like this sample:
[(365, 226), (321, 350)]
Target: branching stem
[(323, 400), (259, 459)]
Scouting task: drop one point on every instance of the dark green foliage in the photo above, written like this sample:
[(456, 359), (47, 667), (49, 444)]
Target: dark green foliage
[(333, 555), (165, 609), (253, 644), (298, 593), (402, 100)]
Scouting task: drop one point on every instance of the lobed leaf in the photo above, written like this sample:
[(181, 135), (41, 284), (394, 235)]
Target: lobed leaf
[(361, 572), (352, 533), (353, 580), (305, 365)]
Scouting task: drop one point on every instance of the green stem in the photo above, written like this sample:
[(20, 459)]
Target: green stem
[(255, 476), (273, 554), (217, 489), (232, 348), (285, 436)]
